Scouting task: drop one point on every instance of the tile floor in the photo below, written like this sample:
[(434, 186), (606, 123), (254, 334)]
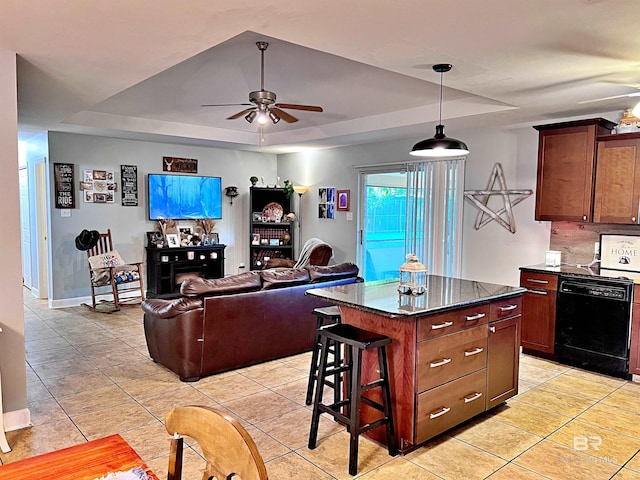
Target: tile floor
[(89, 375)]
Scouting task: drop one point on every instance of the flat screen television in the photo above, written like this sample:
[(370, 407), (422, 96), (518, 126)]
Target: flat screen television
[(183, 197)]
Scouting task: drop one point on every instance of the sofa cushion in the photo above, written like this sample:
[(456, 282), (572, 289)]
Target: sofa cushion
[(331, 272), (170, 308), (242, 282), (286, 277)]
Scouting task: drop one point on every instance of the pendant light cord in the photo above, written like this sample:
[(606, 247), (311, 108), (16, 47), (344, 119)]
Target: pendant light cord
[(441, 80)]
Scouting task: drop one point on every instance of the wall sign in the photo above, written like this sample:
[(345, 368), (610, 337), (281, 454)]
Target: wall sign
[(63, 173), (620, 252), (179, 165), (129, 180)]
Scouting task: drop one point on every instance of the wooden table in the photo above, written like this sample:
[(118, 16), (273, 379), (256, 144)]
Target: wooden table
[(85, 461)]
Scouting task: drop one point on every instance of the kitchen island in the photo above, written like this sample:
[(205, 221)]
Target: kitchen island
[(454, 351)]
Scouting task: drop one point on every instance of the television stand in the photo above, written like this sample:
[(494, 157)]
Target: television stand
[(168, 267)]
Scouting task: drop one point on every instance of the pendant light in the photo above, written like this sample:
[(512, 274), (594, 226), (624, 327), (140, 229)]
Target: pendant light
[(440, 145)]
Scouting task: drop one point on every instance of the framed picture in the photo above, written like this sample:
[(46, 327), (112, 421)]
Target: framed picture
[(344, 202), (173, 240), (255, 238), (620, 252), (154, 238), (264, 241), (274, 242), (214, 239), (185, 230)]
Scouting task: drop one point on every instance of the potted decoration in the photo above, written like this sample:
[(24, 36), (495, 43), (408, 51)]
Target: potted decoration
[(253, 180)]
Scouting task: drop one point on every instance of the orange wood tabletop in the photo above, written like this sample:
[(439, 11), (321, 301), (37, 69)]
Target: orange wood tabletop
[(85, 461)]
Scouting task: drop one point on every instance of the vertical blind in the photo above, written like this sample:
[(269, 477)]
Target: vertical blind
[(435, 192)]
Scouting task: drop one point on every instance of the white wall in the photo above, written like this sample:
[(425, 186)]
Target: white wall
[(70, 282), (12, 348), (491, 254)]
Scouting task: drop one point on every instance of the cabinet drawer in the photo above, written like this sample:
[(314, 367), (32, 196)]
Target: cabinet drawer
[(454, 321), (505, 308), (539, 281), (451, 356), (446, 406)]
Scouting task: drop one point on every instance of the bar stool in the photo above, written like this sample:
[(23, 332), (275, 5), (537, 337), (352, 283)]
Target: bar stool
[(324, 316), (356, 341)]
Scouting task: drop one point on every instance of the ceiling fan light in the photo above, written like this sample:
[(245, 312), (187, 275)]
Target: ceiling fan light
[(262, 118), (274, 118), (439, 146), (250, 117)]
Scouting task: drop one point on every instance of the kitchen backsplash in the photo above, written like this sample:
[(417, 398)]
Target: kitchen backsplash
[(576, 240)]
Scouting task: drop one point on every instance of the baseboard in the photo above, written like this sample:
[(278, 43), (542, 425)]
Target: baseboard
[(16, 419), (77, 301)]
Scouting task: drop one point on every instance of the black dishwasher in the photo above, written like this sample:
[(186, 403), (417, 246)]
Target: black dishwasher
[(593, 320)]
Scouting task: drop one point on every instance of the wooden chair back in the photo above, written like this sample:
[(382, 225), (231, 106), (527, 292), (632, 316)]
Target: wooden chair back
[(320, 255), (225, 444), (104, 245)]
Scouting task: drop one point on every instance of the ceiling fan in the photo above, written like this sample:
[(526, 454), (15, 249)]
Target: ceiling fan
[(612, 97), (263, 102)]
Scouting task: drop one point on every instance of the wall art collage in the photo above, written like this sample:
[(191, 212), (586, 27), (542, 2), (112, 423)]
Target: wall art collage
[(98, 186)]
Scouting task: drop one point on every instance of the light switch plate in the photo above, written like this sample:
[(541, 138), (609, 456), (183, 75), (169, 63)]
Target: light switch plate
[(350, 216), (65, 212)]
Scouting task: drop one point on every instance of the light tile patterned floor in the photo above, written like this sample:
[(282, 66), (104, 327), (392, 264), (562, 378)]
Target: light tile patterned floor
[(89, 375)]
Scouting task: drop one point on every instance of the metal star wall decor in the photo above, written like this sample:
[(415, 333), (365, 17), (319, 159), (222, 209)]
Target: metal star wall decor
[(480, 198)]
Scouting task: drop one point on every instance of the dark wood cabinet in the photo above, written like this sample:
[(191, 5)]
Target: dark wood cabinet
[(634, 351), (503, 348), (271, 233), (538, 312), (617, 192), (168, 267), (566, 169)]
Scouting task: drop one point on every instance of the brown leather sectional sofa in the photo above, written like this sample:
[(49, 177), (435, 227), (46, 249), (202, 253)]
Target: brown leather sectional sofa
[(241, 320)]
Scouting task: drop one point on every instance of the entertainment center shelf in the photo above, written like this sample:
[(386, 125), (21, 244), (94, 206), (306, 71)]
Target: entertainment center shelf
[(271, 233), (168, 267)]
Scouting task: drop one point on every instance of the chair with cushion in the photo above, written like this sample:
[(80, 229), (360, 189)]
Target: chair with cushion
[(229, 450), (314, 252), (108, 269)]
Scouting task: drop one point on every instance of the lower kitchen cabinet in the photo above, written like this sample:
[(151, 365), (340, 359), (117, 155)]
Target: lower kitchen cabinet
[(634, 352), (503, 348), (538, 312)]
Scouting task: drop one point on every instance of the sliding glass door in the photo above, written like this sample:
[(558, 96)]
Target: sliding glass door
[(411, 208)]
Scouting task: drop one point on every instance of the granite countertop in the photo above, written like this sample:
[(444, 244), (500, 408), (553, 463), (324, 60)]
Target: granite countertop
[(583, 271), (443, 293)]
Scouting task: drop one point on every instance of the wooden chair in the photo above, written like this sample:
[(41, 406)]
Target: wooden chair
[(112, 276), (228, 448)]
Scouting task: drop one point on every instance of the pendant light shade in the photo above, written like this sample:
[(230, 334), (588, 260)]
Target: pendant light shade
[(440, 145)]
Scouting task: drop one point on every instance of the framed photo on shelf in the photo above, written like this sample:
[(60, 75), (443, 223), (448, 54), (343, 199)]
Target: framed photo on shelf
[(344, 200), (255, 238), (214, 238), (274, 242), (173, 240)]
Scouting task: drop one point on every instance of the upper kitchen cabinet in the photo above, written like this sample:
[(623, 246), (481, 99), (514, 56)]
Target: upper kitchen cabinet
[(566, 169), (617, 194)]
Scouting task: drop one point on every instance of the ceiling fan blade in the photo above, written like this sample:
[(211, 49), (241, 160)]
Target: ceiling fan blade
[(240, 114), (284, 115), (634, 94), (293, 106), (227, 105)]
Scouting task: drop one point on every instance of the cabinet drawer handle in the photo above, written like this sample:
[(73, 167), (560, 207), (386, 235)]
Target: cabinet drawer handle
[(440, 413), (444, 361), (535, 280), (475, 317), (475, 351), (473, 397), (442, 325), (508, 308), (538, 292)]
